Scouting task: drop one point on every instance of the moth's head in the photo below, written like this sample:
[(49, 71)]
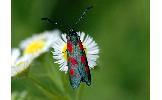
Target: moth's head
[(72, 36), (71, 32)]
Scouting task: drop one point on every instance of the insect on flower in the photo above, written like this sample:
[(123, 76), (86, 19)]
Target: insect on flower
[(74, 52)]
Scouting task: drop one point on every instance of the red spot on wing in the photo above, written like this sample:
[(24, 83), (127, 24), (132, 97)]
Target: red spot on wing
[(80, 44), (72, 72), (69, 46), (83, 59), (72, 60)]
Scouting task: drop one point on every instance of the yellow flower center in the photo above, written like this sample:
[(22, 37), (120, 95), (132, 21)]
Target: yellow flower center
[(34, 47), (64, 52)]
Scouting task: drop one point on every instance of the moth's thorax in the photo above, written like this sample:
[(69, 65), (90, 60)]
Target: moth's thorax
[(73, 37)]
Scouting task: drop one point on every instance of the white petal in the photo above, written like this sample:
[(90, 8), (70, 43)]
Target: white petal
[(21, 64), (15, 53), (82, 34), (64, 37)]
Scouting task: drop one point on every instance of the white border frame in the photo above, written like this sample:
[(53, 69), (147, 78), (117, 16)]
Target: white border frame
[(156, 50), (5, 49)]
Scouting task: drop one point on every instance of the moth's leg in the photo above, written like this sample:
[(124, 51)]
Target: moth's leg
[(65, 51)]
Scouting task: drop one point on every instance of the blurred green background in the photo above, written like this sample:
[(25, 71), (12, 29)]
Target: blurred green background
[(120, 27)]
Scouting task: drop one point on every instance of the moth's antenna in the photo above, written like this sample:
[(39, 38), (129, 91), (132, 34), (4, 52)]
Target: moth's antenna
[(49, 21), (53, 22), (83, 14)]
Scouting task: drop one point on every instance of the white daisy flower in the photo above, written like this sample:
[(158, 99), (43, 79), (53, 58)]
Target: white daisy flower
[(39, 43), (31, 47), (60, 47), (19, 63)]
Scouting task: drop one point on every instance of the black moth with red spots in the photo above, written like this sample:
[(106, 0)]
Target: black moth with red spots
[(78, 68)]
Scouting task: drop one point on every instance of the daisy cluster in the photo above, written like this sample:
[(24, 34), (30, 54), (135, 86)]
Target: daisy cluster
[(32, 47)]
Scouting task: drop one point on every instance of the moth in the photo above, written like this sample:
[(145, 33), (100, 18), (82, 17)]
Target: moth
[(78, 68)]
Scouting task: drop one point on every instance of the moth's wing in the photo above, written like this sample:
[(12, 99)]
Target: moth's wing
[(74, 77), (87, 78), (83, 63), (73, 68)]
